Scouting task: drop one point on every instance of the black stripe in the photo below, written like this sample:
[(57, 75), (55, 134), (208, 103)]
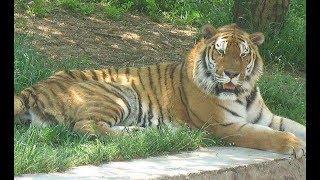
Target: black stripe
[(60, 76), (83, 76), (30, 95), (154, 90), (227, 124), (139, 102), (144, 120), (230, 111), (94, 93), (127, 73), (242, 126), (149, 76), (71, 125), (281, 123), (25, 100), (113, 115), (35, 97), (143, 87), (254, 69), (239, 102), (94, 75), (171, 75), (150, 112), (250, 99), (118, 111), (116, 87), (140, 79), (104, 75), (88, 90), (69, 73), (258, 118), (58, 83), (159, 78), (183, 96), (160, 119), (271, 123), (119, 89), (204, 62), (115, 94), (36, 107), (117, 71), (109, 123), (186, 103), (98, 116), (111, 77), (46, 95), (186, 107)]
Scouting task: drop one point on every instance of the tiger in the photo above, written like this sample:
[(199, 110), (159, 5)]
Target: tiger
[(214, 89)]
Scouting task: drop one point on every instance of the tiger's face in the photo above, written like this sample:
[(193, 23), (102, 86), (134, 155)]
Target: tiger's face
[(228, 61)]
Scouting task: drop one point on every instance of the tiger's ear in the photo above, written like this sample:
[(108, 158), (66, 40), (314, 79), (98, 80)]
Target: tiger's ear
[(208, 31), (257, 38)]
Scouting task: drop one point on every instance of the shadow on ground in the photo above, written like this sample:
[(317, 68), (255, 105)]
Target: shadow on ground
[(133, 40)]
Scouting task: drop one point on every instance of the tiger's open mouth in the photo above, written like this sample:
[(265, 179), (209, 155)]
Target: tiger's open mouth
[(229, 86)]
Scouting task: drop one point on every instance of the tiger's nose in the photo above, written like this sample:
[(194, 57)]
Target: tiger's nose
[(231, 74)]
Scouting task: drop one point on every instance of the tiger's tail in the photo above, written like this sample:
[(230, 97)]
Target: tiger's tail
[(19, 106)]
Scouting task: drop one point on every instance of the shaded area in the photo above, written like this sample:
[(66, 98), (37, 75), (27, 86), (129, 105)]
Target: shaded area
[(134, 40)]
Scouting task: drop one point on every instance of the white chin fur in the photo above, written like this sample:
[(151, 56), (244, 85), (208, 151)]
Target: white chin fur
[(227, 96)]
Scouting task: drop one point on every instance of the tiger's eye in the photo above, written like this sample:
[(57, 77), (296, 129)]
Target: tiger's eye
[(243, 55), (220, 51)]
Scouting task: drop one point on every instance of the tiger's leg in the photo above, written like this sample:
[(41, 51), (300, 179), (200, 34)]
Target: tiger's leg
[(101, 106), (102, 128), (288, 125), (127, 128), (92, 127), (260, 137), (258, 113)]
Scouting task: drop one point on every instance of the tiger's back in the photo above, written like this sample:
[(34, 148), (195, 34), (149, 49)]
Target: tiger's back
[(132, 96)]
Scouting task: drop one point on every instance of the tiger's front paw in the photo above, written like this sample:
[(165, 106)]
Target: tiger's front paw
[(292, 145)]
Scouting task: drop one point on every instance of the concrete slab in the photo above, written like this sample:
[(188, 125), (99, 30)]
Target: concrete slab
[(205, 163)]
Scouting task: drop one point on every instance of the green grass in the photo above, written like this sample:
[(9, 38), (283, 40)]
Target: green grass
[(57, 149), (287, 48)]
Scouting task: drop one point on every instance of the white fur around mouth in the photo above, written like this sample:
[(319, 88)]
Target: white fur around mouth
[(227, 96)]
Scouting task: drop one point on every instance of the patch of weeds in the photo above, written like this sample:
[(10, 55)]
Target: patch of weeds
[(39, 8), (115, 11), (78, 6)]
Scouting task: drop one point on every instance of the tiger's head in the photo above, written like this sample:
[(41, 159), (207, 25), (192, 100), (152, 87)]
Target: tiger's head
[(226, 63)]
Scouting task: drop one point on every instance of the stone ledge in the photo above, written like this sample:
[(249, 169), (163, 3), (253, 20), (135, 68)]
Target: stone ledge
[(206, 163)]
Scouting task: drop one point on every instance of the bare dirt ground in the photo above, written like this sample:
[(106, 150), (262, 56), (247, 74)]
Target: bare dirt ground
[(132, 40)]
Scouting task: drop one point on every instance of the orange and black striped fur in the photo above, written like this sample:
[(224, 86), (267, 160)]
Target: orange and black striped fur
[(214, 88)]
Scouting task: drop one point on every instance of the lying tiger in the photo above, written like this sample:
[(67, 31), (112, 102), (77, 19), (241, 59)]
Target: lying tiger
[(214, 89)]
